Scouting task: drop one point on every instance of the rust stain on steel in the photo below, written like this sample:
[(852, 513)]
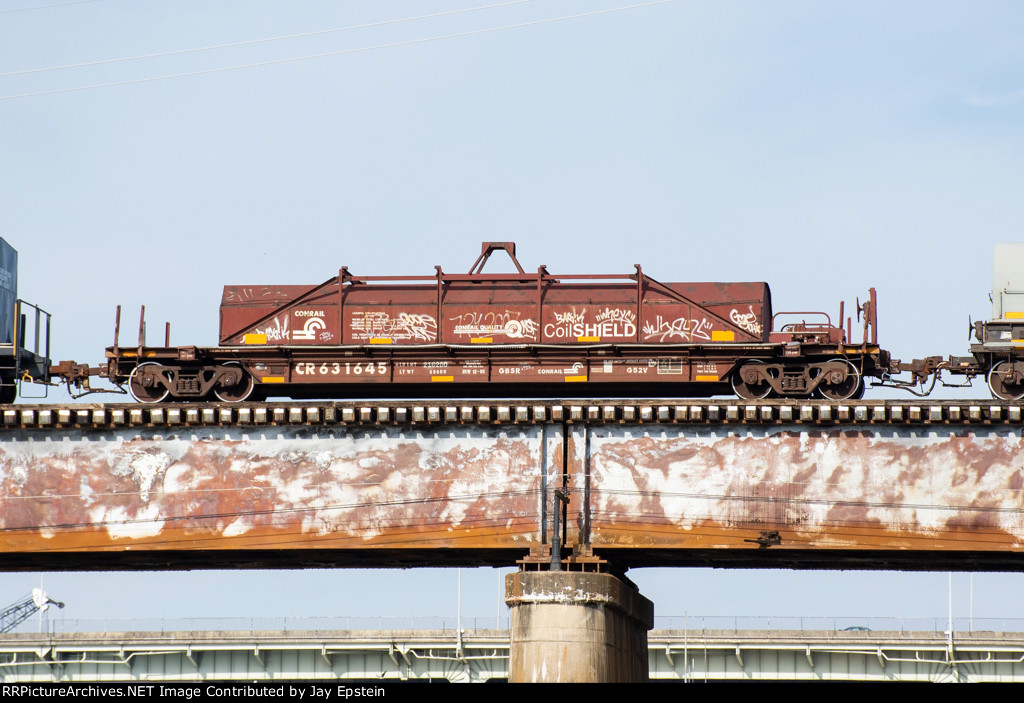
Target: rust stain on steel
[(270, 487), (927, 488), (821, 489)]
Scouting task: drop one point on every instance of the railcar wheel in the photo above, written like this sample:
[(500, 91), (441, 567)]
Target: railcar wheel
[(1000, 387), (859, 393), (153, 393), (748, 384), (239, 391), (848, 388)]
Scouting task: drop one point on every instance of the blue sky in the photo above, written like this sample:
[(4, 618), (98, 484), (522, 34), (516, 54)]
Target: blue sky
[(822, 147)]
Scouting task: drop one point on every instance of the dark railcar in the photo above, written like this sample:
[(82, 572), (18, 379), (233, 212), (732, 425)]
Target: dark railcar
[(24, 332)]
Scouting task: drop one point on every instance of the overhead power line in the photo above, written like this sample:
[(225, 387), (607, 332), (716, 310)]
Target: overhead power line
[(46, 7), (263, 40), (270, 512), (342, 52)]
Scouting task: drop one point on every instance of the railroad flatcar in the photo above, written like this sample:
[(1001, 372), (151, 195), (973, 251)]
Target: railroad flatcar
[(502, 335)]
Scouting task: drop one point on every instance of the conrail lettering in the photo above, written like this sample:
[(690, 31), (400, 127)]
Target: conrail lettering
[(309, 313)]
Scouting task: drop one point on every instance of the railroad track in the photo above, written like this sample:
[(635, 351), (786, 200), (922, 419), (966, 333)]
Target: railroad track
[(516, 412)]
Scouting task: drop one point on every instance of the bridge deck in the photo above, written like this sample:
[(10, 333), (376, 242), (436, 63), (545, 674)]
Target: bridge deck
[(877, 484)]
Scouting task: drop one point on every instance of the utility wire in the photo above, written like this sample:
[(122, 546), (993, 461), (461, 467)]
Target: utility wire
[(261, 41), (269, 512), (46, 7), (793, 502), (597, 511), (202, 492), (337, 53)]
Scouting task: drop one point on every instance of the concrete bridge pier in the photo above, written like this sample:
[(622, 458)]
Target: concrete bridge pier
[(576, 627)]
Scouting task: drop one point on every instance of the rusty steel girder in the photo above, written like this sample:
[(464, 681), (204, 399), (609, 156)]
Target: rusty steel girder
[(764, 484), (787, 489), (286, 489)]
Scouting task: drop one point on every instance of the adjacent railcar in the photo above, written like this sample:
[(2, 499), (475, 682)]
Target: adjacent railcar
[(998, 352), (503, 335), (24, 332)]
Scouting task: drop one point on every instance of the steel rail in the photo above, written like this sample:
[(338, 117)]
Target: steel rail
[(517, 412)]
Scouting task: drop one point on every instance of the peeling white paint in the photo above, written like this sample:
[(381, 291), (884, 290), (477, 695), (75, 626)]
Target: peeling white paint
[(918, 483)]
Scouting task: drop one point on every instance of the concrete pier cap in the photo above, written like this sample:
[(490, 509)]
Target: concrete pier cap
[(576, 627)]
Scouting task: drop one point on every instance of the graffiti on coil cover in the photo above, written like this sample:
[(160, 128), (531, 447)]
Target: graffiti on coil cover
[(404, 326), (494, 324), (746, 321), (275, 329), (682, 328)]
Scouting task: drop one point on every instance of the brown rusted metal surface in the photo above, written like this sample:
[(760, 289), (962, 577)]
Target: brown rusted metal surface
[(280, 488), (405, 333), (496, 309), (787, 488), (760, 484)]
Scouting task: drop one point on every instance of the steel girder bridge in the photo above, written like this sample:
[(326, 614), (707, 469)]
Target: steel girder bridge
[(597, 485)]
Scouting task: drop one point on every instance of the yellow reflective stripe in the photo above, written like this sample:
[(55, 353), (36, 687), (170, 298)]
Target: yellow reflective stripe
[(272, 379), (254, 339), (705, 378), (380, 340), (442, 378), (481, 340), (575, 378), (588, 339), (722, 336)]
